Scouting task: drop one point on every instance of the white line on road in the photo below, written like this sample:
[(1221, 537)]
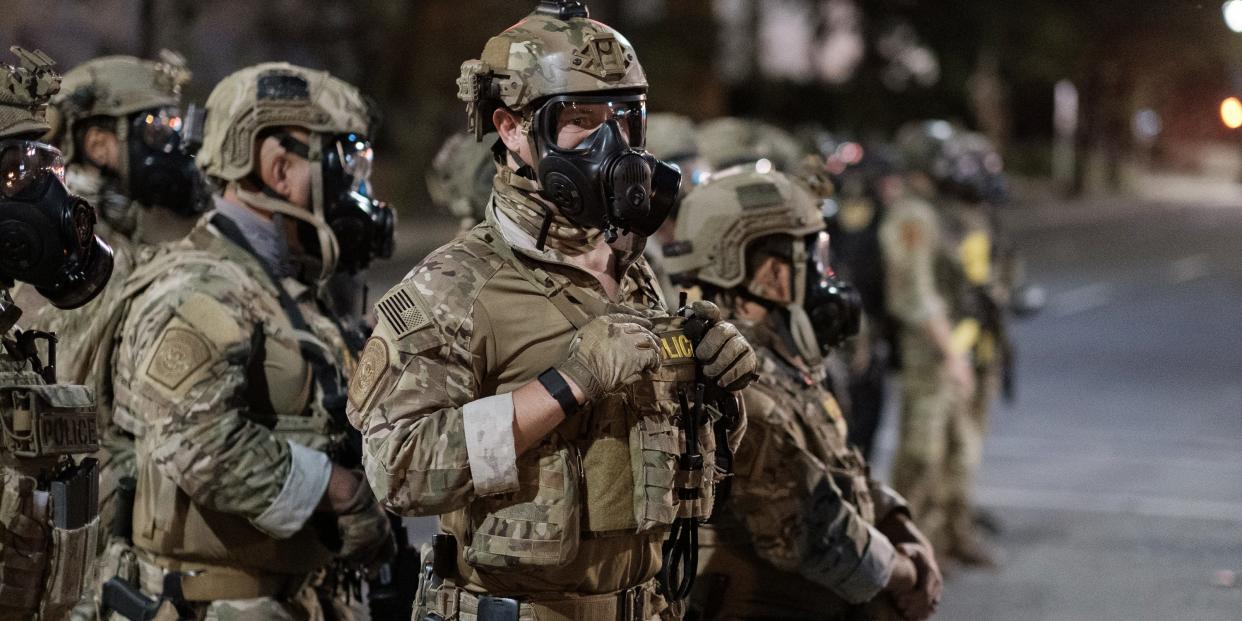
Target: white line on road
[(1112, 504), (1190, 268), (1082, 299)]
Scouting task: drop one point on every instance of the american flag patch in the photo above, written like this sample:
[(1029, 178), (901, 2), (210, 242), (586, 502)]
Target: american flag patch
[(404, 312)]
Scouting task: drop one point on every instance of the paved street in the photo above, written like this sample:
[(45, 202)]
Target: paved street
[(1118, 473)]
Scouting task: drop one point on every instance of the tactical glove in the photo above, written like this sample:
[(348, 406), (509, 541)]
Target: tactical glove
[(724, 353), (366, 533), (610, 352)]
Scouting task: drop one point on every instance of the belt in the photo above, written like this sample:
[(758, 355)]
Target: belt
[(637, 603), (201, 582)]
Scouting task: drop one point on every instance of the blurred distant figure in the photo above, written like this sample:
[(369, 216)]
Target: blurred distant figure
[(673, 138), (460, 177), (866, 187), (962, 174)]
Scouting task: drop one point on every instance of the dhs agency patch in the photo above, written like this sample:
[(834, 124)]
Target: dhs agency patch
[(180, 353), (371, 367)]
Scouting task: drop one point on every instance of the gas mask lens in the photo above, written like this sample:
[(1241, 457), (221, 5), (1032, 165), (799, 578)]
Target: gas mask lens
[(356, 157), (833, 306), (364, 227), (575, 119), (25, 166), (159, 130)]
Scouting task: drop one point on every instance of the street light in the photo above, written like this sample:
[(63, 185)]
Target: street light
[(1231, 112), (1233, 14)]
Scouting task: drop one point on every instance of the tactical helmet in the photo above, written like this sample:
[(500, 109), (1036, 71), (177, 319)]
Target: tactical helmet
[(556, 50), (24, 94), (345, 224), (460, 177), (962, 163), (721, 219), (671, 137), (273, 95), (730, 141), (116, 86)]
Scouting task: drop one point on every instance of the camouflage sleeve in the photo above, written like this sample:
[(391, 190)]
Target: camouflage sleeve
[(908, 240), (428, 439), (796, 515), (189, 341), (887, 500)]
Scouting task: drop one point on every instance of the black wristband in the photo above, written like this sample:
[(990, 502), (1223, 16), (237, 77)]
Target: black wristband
[(555, 384)]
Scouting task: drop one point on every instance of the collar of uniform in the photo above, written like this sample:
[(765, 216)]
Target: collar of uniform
[(261, 233), (773, 335), (524, 244), (207, 238)]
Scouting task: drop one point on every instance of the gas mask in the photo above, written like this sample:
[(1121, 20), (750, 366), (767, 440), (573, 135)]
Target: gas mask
[(345, 228), (47, 235), (161, 168), (833, 306), (363, 226), (825, 310), (606, 182)]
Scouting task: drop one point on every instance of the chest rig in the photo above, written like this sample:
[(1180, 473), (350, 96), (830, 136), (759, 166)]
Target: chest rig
[(616, 468), (55, 497)]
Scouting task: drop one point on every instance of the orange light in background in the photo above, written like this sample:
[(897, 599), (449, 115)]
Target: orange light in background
[(1231, 112)]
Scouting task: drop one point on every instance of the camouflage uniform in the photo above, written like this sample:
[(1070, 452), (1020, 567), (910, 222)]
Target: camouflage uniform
[(797, 537), (460, 177), (446, 343), (44, 568), (933, 435), (113, 87), (231, 374), (968, 272)]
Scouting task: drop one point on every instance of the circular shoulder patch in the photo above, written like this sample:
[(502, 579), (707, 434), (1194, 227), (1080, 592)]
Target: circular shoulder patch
[(371, 367), (180, 353)]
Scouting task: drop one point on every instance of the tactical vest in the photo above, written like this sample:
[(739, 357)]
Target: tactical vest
[(612, 470), (166, 524), (43, 426)]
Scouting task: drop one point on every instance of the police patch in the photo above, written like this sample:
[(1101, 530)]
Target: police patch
[(371, 367), (180, 353)]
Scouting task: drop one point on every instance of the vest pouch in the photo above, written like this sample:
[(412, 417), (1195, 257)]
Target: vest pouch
[(849, 472), (656, 440), (69, 568), (536, 526), (698, 504)]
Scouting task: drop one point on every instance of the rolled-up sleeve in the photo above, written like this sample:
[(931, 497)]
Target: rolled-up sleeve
[(490, 446)]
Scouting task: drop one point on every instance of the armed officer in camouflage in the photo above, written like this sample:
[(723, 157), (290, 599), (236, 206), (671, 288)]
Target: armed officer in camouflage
[(516, 384), (806, 534), (118, 122), (963, 174), (48, 500), (249, 504), (933, 454)]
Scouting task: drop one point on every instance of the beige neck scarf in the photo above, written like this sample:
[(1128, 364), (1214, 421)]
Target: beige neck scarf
[(515, 196)]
